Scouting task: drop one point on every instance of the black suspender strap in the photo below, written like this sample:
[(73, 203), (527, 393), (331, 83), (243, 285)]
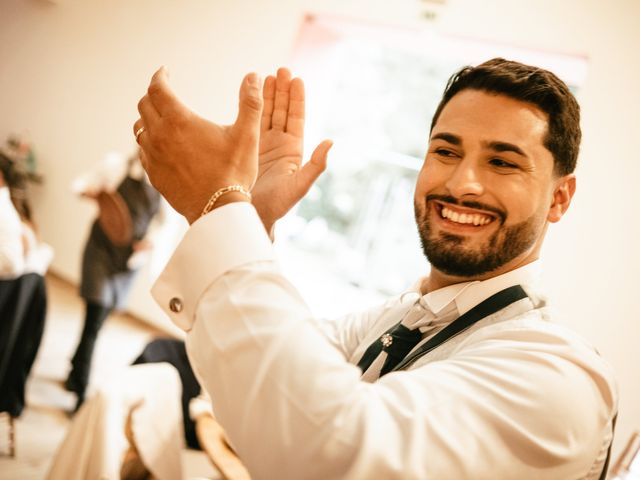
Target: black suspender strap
[(488, 307), (405, 339)]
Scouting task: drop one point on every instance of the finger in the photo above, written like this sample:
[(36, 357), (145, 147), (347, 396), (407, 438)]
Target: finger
[(281, 101), (250, 109), (143, 139), (161, 95), (140, 135), (295, 117), (268, 95), (311, 170), (136, 125), (148, 113)]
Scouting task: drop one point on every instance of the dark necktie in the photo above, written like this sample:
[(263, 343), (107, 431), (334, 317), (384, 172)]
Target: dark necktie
[(405, 339), (399, 340)]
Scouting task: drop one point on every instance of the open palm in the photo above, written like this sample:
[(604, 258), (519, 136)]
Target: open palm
[(282, 179)]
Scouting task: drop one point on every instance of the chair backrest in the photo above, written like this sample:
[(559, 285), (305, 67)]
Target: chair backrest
[(629, 461)]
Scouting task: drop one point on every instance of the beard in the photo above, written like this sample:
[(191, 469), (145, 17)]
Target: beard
[(449, 254)]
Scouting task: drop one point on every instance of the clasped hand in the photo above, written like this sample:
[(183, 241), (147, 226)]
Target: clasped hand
[(188, 157)]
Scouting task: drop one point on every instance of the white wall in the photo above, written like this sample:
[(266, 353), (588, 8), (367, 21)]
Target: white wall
[(72, 71)]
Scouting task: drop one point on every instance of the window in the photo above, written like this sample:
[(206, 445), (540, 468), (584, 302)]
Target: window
[(373, 90)]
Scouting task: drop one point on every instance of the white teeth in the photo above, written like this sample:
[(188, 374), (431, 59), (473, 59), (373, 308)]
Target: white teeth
[(465, 218), (480, 220)]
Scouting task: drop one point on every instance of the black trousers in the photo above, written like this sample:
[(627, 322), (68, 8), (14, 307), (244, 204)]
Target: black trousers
[(95, 315), (23, 306)]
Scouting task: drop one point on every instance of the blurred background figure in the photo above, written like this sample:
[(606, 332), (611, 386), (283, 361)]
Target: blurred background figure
[(119, 243), (12, 241), (17, 224), (24, 260)]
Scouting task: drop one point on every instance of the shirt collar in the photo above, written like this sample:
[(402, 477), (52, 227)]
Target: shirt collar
[(467, 295)]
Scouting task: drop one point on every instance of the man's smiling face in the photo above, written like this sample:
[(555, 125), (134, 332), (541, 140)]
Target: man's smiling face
[(487, 187)]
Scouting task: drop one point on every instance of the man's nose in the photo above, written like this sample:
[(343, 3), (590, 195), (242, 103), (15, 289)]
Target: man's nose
[(465, 179)]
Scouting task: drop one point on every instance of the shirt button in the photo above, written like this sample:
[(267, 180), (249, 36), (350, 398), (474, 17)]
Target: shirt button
[(175, 305)]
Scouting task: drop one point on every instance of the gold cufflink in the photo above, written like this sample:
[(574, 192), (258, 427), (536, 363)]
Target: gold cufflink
[(175, 305)]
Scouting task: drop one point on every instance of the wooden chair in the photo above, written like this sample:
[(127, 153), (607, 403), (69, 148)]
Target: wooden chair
[(11, 449), (213, 442), (629, 460)]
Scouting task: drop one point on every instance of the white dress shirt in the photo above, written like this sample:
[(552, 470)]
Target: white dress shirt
[(13, 232), (514, 396)]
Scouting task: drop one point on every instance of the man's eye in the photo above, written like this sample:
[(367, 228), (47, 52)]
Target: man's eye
[(444, 153), (498, 162)]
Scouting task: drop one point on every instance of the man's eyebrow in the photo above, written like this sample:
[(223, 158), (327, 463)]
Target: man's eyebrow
[(505, 147), (447, 137), (496, 146)]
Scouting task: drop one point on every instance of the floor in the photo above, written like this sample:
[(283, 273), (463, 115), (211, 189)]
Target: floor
[(44, 422)]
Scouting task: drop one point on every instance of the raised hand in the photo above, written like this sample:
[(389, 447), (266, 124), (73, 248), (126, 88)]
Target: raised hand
[(187, 157), (282, 179)]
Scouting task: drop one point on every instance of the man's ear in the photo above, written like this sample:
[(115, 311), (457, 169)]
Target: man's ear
[(562, 195)]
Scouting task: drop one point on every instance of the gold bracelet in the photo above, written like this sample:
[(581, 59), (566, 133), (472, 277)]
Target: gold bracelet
[(218, 193)]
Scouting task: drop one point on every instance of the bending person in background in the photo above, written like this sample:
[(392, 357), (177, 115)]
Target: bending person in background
[(119, 239)]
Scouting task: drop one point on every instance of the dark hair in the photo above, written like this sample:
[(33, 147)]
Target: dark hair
[(16, 181), (532, 85), (7, 169)]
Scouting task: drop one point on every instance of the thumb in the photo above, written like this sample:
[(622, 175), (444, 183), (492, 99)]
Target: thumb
[(162, 96), (250, 109), (311, 170)]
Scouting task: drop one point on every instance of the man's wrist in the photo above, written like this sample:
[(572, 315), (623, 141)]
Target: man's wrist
[(230, 198), (222, 196), (195, 213)]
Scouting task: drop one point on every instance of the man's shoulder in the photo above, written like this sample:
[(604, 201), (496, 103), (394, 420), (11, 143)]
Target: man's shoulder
[(539, 324), (539, 333)]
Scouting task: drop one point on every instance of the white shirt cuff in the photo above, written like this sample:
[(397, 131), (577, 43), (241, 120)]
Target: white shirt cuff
[(226, 238)]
